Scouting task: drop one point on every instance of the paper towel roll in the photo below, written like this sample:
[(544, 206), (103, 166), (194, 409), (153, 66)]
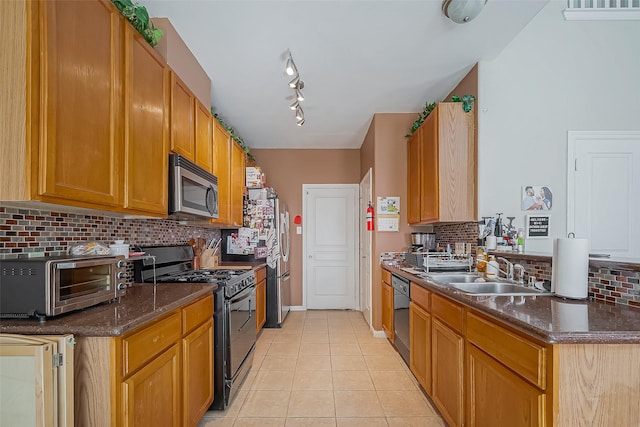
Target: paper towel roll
[(570, 268)]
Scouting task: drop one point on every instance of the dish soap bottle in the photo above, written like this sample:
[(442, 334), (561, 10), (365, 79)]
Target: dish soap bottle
[(492, 267), (481, 260)]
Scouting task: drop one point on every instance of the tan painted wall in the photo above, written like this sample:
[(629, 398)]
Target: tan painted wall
[(386, 139), (178, 56), (287, 170)]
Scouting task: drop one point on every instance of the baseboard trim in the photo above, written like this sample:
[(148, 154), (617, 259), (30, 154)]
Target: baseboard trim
[(298, 308)]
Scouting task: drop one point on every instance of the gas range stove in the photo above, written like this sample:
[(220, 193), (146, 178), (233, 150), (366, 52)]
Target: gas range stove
[(233, 281)]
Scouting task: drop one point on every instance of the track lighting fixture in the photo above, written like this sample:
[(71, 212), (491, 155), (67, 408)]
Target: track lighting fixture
[(291, 66), (297, 85)]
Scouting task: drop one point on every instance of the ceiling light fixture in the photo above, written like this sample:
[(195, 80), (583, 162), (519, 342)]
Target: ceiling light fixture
[(297, 85), (462, 11), (291, 69)]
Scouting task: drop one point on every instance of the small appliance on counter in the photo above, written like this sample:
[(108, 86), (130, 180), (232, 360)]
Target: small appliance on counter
[(49, 286), (423, 242)]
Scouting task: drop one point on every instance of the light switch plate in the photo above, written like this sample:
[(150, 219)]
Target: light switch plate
[(298, 230)]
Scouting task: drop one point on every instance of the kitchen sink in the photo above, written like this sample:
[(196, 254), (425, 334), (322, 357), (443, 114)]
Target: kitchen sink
[(496, 288), (446, 278)]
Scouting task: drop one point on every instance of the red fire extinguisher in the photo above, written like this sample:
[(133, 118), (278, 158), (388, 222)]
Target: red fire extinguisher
[(370, 217)]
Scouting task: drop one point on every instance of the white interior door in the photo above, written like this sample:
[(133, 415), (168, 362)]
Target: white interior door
[(330, 246), (603, 191), (365, 248)]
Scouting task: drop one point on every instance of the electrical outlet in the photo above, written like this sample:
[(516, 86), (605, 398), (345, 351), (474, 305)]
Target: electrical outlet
[(298, 230)]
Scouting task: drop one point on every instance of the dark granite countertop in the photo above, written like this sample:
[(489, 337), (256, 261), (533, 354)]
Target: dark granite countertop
[(142, 304), (549, 318)]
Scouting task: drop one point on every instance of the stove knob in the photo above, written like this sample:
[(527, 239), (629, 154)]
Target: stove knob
[(120, 275)]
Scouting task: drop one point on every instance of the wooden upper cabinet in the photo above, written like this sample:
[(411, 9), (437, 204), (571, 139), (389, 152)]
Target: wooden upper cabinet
[(414, 178), (80, 69), (146, 140), (447, 167), (238, 162), (182, 118), (204, 137), (222, 170)]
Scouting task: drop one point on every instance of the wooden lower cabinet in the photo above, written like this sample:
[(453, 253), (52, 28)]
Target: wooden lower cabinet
[(151, 396), (496, 396), (420, 345), (160, 374), (387, 310), (261, 298), (197, 362), (447, 353)]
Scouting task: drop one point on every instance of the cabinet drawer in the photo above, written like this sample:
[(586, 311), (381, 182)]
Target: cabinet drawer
[(386, 276), (145, 344), (197, 313), (449, 312), (517, 353), (261, 275), (421, 296)]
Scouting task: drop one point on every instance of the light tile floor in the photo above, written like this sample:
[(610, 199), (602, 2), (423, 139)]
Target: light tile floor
[(324, 368)]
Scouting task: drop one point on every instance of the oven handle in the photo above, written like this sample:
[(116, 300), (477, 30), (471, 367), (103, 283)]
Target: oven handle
[(243, 297)]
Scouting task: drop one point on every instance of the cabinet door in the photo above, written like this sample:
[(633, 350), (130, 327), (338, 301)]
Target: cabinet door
[(387, 310), (447, 370), (204, 137), (238, 160), (420, 345), (182, 118), (261, 305), (414, 179), (498, 397), (429, 191), (197, 363), (80, 149), (151, 396), (222, 170), (146, 126)]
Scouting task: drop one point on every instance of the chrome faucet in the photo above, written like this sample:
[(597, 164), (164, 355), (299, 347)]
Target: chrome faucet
[(509, 270), (521, 272)]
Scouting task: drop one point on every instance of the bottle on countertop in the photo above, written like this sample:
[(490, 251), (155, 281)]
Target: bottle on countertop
[(520, 239), (481, 260)]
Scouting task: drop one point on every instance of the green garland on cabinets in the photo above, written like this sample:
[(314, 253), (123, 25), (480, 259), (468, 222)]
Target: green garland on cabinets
[(467, 105), (139, 17), (233, 135)]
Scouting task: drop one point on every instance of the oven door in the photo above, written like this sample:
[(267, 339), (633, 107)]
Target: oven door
[(241, 321), (401, 331)]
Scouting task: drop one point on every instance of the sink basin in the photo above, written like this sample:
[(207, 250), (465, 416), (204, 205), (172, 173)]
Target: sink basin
[(447, 278), (496, 288)]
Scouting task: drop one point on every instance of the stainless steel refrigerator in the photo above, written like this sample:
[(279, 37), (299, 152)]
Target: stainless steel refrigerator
[(265, 237)]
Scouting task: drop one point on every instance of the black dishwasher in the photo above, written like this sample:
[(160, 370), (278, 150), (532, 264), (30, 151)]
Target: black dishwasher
[(401, 299)]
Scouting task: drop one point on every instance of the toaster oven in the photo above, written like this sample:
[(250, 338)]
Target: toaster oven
[(45, 287)]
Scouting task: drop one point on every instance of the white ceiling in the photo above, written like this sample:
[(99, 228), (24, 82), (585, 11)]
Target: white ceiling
[(356, 57)]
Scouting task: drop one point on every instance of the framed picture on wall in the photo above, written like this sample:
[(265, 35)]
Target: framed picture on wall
[(536, 198)]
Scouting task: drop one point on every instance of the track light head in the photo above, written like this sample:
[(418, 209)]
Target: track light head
[(290, 68), (299, 113), (294, 106), (299, 95), (294, 83), (300, 122)]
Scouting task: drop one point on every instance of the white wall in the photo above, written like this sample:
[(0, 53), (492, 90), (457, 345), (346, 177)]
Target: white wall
[(555, 76)]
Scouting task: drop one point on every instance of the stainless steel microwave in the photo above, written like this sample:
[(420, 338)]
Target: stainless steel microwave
[(44, 287), (193, 192)]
